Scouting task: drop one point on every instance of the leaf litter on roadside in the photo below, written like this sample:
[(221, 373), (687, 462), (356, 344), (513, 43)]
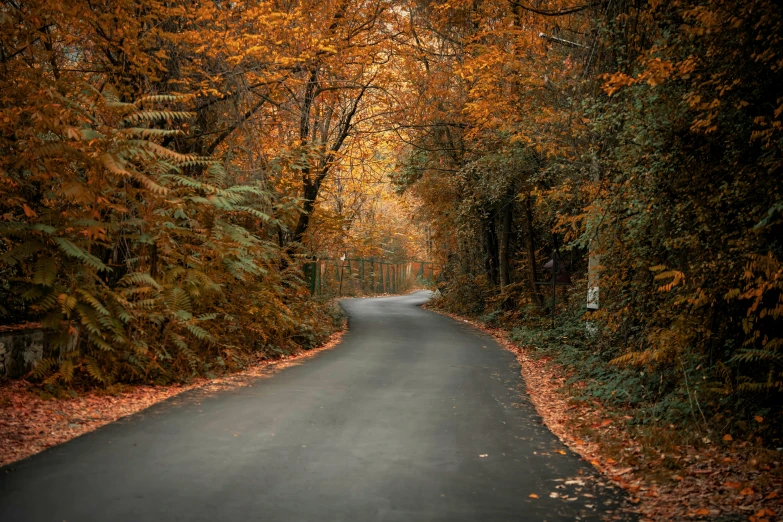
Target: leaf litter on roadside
[(716, 479)]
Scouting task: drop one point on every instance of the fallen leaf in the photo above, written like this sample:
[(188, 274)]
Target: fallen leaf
[(533, 495), (702, 512), (732, 485), (772, 495), (747, 491), (484, 455), (728, 437), (560, 452), (758, 418)]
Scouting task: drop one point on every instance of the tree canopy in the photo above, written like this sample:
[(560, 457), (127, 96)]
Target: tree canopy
[(167, 168)]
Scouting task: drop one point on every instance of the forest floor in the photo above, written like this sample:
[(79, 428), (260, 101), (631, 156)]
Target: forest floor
[(31, 421), (670, 476)]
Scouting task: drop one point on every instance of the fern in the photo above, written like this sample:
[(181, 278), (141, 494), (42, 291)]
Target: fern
[(198, 332), (93, 301), (137, 279), (74, 251), (94, 369), (152, 116), (43, 367)]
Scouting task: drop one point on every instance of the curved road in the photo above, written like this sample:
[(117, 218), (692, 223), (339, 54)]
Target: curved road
[(413, 417)]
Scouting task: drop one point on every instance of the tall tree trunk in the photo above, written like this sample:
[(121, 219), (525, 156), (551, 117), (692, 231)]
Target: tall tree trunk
[(505, 240), (491, 240), (531, 251)]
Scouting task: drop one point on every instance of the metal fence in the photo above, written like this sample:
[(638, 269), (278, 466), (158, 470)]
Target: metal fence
[(359, 276)]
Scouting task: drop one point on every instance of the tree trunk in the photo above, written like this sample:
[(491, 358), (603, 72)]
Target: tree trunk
[(531, 252), (505, 240), (491, 238)]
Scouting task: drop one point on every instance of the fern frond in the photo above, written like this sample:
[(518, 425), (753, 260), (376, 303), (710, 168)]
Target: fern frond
[(74, 251), (94, 369), (43, 367), (152, 116), (66, 370), (138, 279), (160, 98)]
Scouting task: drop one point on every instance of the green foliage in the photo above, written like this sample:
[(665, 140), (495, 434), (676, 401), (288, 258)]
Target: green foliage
[(152, 264), (656, 145)]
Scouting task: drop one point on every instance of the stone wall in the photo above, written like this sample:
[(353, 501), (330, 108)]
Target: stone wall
[(19, 351)]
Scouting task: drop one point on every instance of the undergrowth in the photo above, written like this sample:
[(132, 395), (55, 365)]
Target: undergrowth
[(681, 398)]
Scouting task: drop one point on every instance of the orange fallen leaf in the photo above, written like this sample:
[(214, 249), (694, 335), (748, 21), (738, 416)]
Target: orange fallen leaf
[(747, 491), (560, 452), (728, 437), (702, 512), (732, 485), (772, 495), (533, 495), (758, 418)]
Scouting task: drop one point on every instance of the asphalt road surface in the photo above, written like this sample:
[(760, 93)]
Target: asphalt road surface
[(413, 417)]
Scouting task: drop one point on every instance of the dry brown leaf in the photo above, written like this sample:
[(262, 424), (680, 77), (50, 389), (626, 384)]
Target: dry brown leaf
[(747, 491), (732, 485), (702, 512), (728, 437)]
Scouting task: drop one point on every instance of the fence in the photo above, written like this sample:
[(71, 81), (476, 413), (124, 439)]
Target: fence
[(359, 276)]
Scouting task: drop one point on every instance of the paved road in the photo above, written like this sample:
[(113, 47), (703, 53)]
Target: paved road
[(413, 417)]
